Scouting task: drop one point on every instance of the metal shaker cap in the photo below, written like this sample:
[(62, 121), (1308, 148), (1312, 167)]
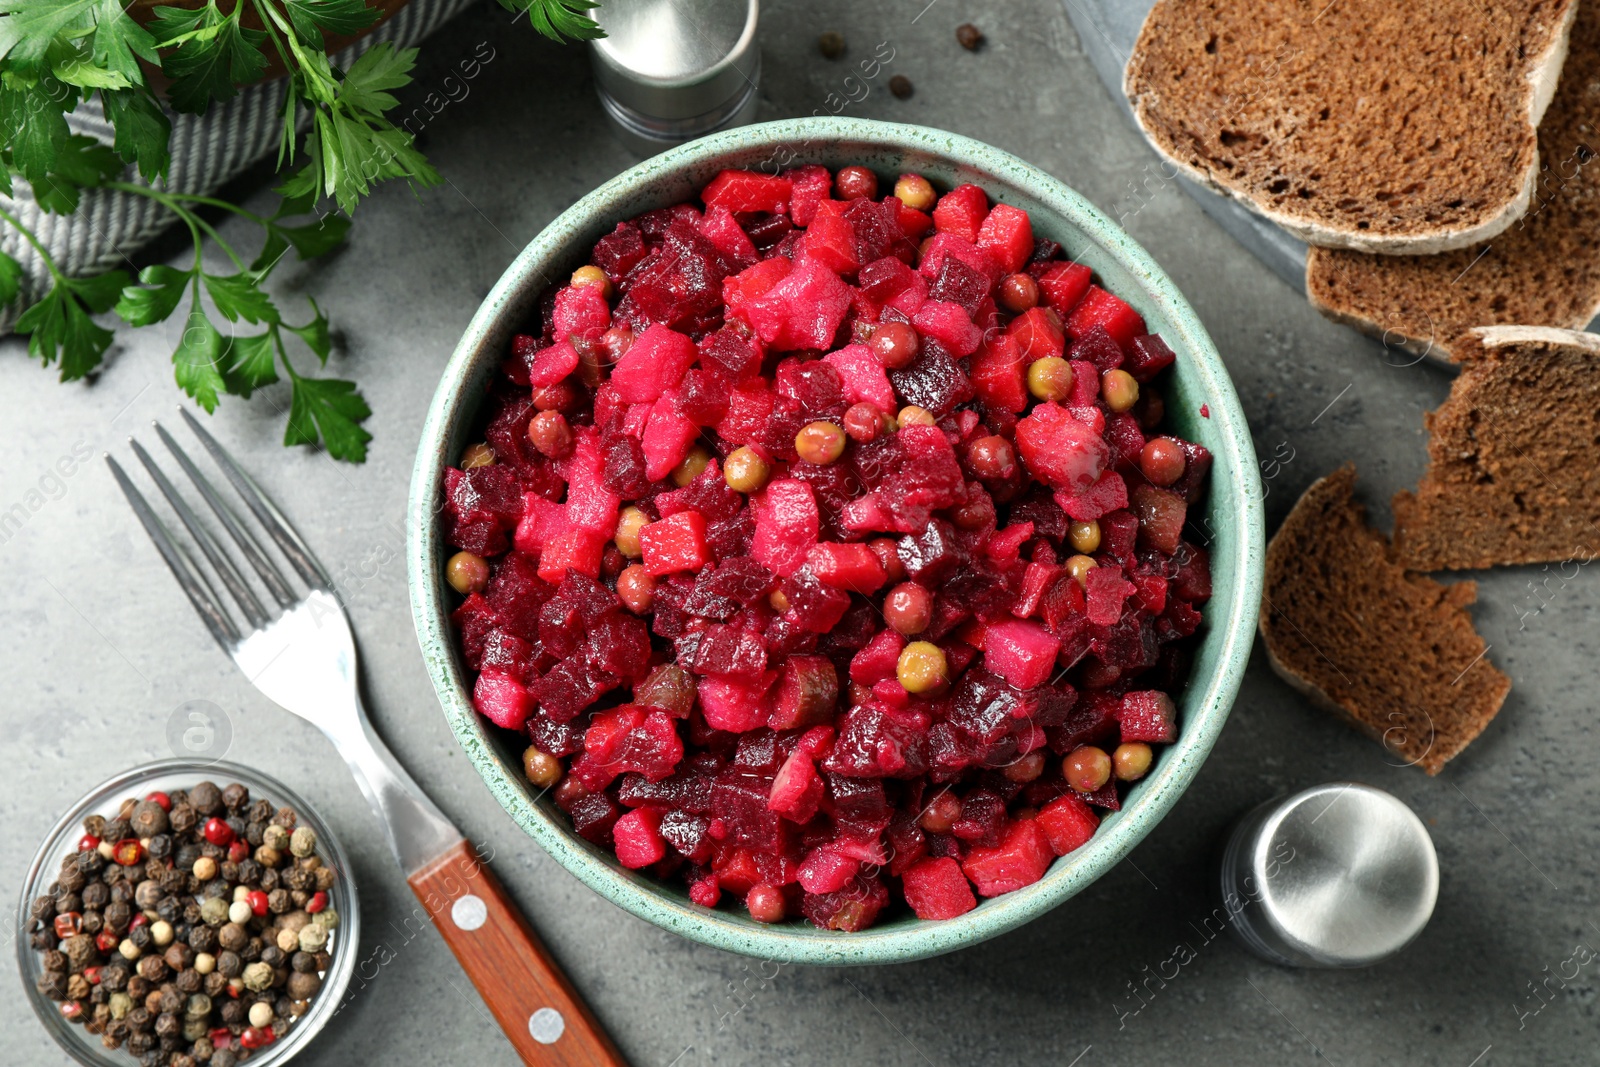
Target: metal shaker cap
[(670, 70), (1339, 875)]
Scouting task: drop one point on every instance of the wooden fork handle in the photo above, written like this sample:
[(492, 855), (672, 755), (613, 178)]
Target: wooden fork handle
[(531, 999)]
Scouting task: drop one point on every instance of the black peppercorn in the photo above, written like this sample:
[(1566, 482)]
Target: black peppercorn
[(170, 909), (149, 819), (116, 830), (190, 981), (261, 811), (80, 951), (91, 922), (186, 854), (233, 937), (121, 891), (255, 833), (235, 796), (170, 1043), (214, 984), (114, 975), (52, 984), (182, 1059), (233, 1012), (152, 968), (206, 798), (68, 901), (43, 908), (900, 86), (251, 951), (99, 994), (969, 36), (248, 871), (202, 938), (161, 846), (95, 825), (147, 894), (178, 956), (76, 877), (274, 957), (270, 878), (139, 1043), (224, 1057), (55, 960), (229, 965), (138, 986), (140, 1018), (96, 895), (117, 915), (152, 1057), (278, 901), (42, 939), (182, 818), (140, 936), (169, 1000)]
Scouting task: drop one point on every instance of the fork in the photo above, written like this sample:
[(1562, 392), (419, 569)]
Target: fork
[(297, 649)]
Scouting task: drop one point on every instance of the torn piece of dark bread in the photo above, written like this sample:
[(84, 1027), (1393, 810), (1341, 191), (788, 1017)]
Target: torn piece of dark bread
[(1393, 653)]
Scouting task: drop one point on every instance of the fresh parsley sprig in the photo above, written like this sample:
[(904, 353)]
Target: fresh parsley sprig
[(58, 54)]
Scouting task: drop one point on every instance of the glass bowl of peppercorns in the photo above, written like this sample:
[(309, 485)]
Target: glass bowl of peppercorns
[(186, 914)]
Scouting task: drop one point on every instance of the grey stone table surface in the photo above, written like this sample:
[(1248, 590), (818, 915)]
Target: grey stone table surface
[(100, 648)]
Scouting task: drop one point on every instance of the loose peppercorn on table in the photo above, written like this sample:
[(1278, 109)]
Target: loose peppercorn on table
[(103, 658)]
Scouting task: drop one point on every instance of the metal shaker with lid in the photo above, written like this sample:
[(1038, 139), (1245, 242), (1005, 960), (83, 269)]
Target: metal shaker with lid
[(1338, 875), (668, 71)]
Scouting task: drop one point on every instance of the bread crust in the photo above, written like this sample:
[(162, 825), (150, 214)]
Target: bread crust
[(1514, 457), (1166, 57), (1392, 654), (1546, 270)]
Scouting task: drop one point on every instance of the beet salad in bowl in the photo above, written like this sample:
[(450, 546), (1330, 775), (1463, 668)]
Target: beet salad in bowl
[(835, 540)]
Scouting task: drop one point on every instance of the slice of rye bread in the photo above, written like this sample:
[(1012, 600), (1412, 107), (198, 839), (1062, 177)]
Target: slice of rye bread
[(1544, 271), (1392, 653), (1513, 457), (1400, 128)]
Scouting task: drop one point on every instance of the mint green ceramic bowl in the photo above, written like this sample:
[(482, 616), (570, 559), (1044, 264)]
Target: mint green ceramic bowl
[(1232, 515)]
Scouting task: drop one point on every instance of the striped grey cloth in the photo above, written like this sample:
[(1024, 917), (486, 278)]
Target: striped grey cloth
[(207, 152)]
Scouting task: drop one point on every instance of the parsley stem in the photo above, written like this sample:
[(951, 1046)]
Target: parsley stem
[(192, 198), (27, 234), (194, 222)]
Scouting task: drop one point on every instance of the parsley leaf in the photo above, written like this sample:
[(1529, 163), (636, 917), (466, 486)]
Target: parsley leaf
[(80, 162), (33, 124), (59, 327), (31, 27), (315, 334), (196, 359), (238, 296), (120, 42), (142, 129), (163, 288), (559, 18), (10, 279), (341, 18), (252, 362), (331, 409), (217, 54)]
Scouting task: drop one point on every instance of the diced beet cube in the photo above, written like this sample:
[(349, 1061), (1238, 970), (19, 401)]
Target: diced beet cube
[(814, 607), (569, 687), (1068, 822), (704, 397), (883, 279), (914, 223), (1021, 652), (739, 799), (688, 835), (655, 363), (1106, 796), (619, 251), (1019, 860), (1007, 234), (593, 815), (736, 703), (814, 385), (668, 687), (1060, 450), (1117, 533), (961, 211), (880, 742), (1062, 284), (1105, 590), (731, 352), (878, 229), (950, 325), (723, 231), (1148, 355), (878, 659), (961, 284), (1037, 580), (1005, 547), (999, 373), (1149, 715), (853, 908), (1096, 347), (807, 695), (830, 239), (982, 818), (787, 525), (748, 190), (753, 282), (944, 245), (801, 311), (678, 284), (579, 308), (1109, 493), (809, 186), (676, 543), (827, 871), (637, 838), (936, 889), (501, 698), (577, 550), (933, 554), (1193, 580), (797, 789), (1161, 516), (853, 567), (862, 377), (1100, 308), (1037, 335), (934, 381), (749, 409), (1151, 589), (726, 649), (552, 364)]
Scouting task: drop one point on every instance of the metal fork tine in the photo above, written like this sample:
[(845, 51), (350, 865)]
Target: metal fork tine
[(294, 548), (183, 569), (254, 613), (259, 560)]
